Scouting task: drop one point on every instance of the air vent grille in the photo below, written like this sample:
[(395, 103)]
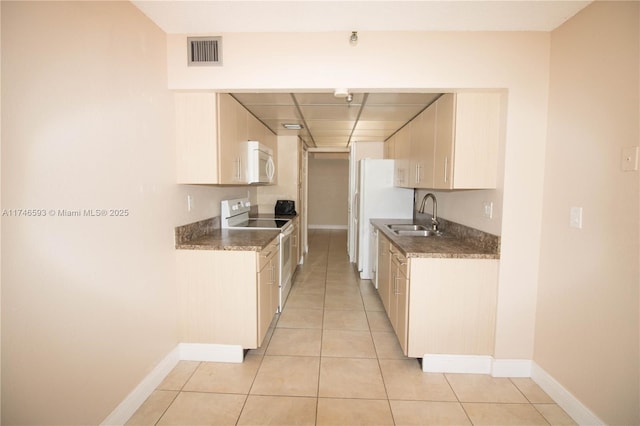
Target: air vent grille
[(204, 50)]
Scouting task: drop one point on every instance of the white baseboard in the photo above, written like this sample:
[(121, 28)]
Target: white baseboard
[(140, 393), (327, 227), (511, 368), (565, 399), (472, 364), (182, 352), (211, 352)]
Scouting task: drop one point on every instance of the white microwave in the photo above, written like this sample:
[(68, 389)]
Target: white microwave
[(260, 166)]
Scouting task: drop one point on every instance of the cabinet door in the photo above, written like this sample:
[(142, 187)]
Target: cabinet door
[(232, 132), (402, 301), (384, 271), (402, 152), (275, 282), (445, 135), (477, 137), (423, 148), (264, 302), (196, 138), (268, 261)]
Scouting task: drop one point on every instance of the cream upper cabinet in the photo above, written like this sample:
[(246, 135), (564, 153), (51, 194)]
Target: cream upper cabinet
[(422, 149), (232, 132), (211, 131), (467, 140), (401, 154)]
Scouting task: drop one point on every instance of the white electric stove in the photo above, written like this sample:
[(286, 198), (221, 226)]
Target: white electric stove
[(234, 214)]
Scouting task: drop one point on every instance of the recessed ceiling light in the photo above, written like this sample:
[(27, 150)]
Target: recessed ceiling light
[(292, 126)]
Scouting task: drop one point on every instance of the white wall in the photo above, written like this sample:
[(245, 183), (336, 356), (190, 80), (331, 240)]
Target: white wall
[(516, 62), (87, 123), (587, 328), (287, 185)]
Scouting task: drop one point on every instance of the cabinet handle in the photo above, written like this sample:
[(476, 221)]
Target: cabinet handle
[(446, 166)]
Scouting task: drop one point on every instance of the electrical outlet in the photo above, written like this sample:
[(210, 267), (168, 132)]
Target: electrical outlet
[(488, 209), (189, 202)]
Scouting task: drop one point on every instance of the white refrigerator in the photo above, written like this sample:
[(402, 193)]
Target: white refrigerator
[(377, 198)]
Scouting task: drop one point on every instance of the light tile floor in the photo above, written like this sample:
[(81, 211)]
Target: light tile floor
[(331, 358)]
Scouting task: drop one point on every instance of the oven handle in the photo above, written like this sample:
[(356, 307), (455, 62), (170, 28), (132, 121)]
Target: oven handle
[(287, 230)]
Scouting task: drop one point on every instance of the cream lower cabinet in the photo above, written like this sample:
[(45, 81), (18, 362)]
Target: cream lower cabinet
[(452, 306), (399, 296), (439, 305), (227, 297), (384, 270), (268, 282)]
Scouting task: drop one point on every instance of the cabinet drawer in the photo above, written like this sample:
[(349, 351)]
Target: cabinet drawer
[(400, 260), (267, 253)]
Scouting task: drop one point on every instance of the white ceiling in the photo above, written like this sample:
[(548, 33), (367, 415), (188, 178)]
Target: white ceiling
[(331, 122), (205, 16)]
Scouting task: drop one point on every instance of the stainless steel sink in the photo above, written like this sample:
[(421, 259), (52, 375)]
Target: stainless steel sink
[(419, 233), (412, 230), (407, 227)]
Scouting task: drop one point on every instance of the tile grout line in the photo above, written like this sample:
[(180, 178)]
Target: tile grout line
[(177, 393)]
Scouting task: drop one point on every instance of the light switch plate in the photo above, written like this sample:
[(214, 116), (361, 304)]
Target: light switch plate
[(630, 159), (488, 209), (575, 220)]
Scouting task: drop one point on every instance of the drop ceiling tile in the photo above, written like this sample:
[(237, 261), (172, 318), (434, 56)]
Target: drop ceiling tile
[(329, 112), (390, 112), (331, 140), (331, 132), (281, 112), (264, 98), (330, 124), (326, 99), (379, 124), (370, 133)]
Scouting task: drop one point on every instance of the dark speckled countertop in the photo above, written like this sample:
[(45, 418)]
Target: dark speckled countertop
[(458, 241), (207, 235)]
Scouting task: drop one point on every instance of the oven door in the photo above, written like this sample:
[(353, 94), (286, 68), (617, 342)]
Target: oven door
[(285, 264)]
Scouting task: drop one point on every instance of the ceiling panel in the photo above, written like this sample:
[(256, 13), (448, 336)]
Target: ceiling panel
[(331, 121), (390, 112), (329, 112), (326, 99), (324, 124), (384, 125), (264, 98)]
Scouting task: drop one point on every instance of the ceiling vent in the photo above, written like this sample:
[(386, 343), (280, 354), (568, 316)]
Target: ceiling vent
[(204, 51)]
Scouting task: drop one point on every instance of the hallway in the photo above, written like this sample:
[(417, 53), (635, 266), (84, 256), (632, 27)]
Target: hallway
[(332, 358)]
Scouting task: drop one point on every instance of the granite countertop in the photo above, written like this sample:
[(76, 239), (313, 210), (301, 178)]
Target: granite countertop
[(207, 235), (458, 241)]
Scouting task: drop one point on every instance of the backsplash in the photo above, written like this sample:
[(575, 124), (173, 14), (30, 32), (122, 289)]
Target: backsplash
[(471, 235)]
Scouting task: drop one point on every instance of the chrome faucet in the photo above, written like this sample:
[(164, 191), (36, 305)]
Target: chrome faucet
[(434, 214)]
